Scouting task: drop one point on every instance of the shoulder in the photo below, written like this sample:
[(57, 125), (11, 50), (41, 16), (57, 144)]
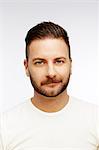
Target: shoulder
[(84, 104), (84, 109), (17, 111)]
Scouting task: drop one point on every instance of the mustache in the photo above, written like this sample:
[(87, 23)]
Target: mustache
[(49, 81)]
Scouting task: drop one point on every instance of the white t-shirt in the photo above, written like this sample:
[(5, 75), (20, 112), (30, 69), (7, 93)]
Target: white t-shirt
[(75, 127)]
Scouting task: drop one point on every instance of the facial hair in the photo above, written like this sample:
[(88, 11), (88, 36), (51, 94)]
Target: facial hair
[(52, 93)]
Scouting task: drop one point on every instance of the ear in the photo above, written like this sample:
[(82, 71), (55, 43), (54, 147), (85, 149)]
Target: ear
[(70, 66), (26, 67)]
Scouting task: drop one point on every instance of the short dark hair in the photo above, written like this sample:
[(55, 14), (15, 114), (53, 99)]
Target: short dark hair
[(46, 30)]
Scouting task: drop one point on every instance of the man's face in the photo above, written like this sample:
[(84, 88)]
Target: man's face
[(48, 66)]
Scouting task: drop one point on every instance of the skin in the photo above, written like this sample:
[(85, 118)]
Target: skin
[(49, 69)]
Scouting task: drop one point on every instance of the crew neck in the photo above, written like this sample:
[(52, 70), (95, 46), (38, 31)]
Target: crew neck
[(64, 109)]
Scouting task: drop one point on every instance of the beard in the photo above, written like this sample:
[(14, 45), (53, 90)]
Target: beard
[(52, 93)]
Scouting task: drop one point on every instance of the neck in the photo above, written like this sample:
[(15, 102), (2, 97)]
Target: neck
[(50, 104)]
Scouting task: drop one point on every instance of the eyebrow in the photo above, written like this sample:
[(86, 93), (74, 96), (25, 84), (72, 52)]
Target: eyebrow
[(38, 58), (60, 58)]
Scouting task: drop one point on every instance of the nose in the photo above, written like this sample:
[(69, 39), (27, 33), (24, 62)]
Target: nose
[(51, 72)]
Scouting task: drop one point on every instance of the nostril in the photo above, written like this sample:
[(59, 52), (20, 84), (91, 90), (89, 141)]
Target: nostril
[(51, 76)]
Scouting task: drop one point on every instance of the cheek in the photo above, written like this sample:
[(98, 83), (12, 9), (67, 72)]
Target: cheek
[(37, 74), (64, 71)]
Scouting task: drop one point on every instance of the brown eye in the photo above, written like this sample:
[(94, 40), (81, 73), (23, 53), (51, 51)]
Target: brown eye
[(59, 62), (39, 63)]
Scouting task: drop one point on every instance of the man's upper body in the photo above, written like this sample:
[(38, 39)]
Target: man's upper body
[(75, 127), (52, 119)]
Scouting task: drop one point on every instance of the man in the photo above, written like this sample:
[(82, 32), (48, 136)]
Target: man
[(51, 119)]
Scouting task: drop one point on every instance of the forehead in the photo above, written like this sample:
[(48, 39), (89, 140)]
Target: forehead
[(48, 48)]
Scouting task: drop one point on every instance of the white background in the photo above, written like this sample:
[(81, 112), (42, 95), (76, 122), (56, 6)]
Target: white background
[(79, 18)]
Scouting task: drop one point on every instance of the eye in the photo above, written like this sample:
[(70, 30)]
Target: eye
[(39, 63), (59, 61)]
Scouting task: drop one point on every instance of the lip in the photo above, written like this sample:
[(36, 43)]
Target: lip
[(52, 84)]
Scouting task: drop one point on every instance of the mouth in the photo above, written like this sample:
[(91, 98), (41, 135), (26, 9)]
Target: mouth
[(52, 84)]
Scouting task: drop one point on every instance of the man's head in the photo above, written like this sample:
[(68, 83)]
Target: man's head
[(48, 59)]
